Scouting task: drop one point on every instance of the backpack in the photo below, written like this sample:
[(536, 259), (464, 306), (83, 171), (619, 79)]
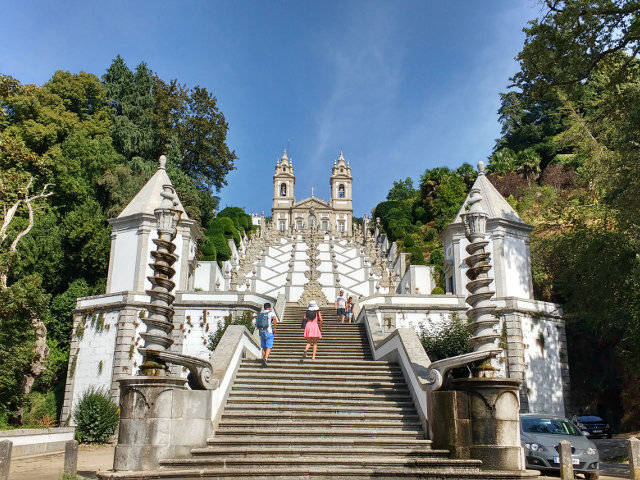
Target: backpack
[(262, 322)]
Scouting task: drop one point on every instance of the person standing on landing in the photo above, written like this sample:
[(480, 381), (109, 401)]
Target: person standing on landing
[(266, 324), (312, 328), (349, 310), (341, 305)]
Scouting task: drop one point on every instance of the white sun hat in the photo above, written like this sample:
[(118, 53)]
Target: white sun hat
[(313, 306)]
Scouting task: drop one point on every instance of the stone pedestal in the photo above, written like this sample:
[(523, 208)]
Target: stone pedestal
[(451, 425), (159, 419), (493, 409)]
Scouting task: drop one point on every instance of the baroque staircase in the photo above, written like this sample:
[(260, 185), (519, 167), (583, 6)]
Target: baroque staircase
[(340, 416)]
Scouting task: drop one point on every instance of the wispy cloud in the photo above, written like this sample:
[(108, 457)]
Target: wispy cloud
[(365, 66)]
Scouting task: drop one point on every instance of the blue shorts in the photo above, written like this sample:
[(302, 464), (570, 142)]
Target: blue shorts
[(341, 311), (266, 340)]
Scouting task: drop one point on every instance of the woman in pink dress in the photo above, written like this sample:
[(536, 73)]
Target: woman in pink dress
[(312, 328)]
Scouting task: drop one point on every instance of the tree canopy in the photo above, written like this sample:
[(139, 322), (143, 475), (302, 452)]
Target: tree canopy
[(73, 152)]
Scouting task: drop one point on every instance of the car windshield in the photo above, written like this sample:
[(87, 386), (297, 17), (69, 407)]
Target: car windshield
[(554, 426), (590, 418)]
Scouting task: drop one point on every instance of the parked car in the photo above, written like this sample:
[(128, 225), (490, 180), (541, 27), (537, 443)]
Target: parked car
[(592, 426), (541, 435)]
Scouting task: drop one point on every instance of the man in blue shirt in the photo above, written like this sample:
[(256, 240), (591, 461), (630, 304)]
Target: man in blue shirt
[(266, 323)]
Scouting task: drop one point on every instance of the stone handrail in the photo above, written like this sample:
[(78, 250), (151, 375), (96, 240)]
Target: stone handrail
[(281, 303), (403, 346)]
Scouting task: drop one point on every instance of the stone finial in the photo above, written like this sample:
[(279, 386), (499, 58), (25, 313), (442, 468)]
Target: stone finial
[(71, 458), (481, 167), (566, 461), (162, 162), (633, 447), (5, 458)]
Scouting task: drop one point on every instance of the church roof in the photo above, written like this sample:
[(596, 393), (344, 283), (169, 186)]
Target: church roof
[(492, 202), (148, 198), (311, 200)]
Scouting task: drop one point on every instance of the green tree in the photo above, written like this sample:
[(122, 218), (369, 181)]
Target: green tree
[(402, 190)]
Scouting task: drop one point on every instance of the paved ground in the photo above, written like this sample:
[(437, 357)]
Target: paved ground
[(90, 459), (94, 458)]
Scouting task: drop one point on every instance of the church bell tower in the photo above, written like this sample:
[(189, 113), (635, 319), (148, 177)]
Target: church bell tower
[(284, 181), (341, 191)]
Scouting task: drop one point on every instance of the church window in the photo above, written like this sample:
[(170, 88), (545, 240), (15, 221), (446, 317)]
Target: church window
[(283, 225), (283, 189), (325, 225), (341, 225), (341, 191), (299, 224)]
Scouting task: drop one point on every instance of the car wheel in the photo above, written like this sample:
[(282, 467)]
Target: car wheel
[(592, 476)]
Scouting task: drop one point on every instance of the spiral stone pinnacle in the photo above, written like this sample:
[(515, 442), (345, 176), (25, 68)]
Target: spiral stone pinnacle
[(482, 314), (160, 320)]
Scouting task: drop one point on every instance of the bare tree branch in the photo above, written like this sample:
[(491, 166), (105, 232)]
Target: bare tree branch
[(28, 201)]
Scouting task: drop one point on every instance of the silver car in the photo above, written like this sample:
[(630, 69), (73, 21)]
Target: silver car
[(541, 435)]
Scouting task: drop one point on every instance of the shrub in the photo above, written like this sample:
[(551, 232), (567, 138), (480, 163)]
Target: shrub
[(430, 235), (209, 250), (409, 241), (223, 252), (452, 340), (40, 410), (96, 416), (417, 258), (437, 291), (214, 338), (420, 214), (437, 257)]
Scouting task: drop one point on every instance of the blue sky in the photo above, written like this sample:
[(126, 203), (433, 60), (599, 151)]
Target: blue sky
[(398, 86)]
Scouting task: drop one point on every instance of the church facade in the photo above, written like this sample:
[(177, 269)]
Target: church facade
[(289, 215)]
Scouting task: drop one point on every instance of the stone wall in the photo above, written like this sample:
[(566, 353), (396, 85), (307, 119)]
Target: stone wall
[(107, 328), (533, 336)]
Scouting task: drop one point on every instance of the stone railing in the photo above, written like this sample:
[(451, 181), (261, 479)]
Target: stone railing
[(423, 377)]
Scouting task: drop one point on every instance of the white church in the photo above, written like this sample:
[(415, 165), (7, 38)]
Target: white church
[(312, 247)]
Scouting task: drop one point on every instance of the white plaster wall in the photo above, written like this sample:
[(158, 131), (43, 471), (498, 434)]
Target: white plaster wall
[(516, 264), (428, 322), (543, 374), (203, 276), (198, 327), (124, 261), (148, 270), (96, 346)]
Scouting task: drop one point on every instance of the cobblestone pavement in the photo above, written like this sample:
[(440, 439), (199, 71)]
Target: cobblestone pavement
[(91, 458), (99, 457)]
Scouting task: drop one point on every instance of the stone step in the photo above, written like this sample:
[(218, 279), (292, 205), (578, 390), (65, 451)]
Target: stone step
[(268, 374), (304, 472), (277, 400), (300, 340), (364, 367), (321, 460), (297, 352), (318, 382), (333, 346), (321, 354), (339, 389), (316, 431), (338, 442), (347, 450), (305, 368), (318, 414), (320, 423), (292, 408)]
